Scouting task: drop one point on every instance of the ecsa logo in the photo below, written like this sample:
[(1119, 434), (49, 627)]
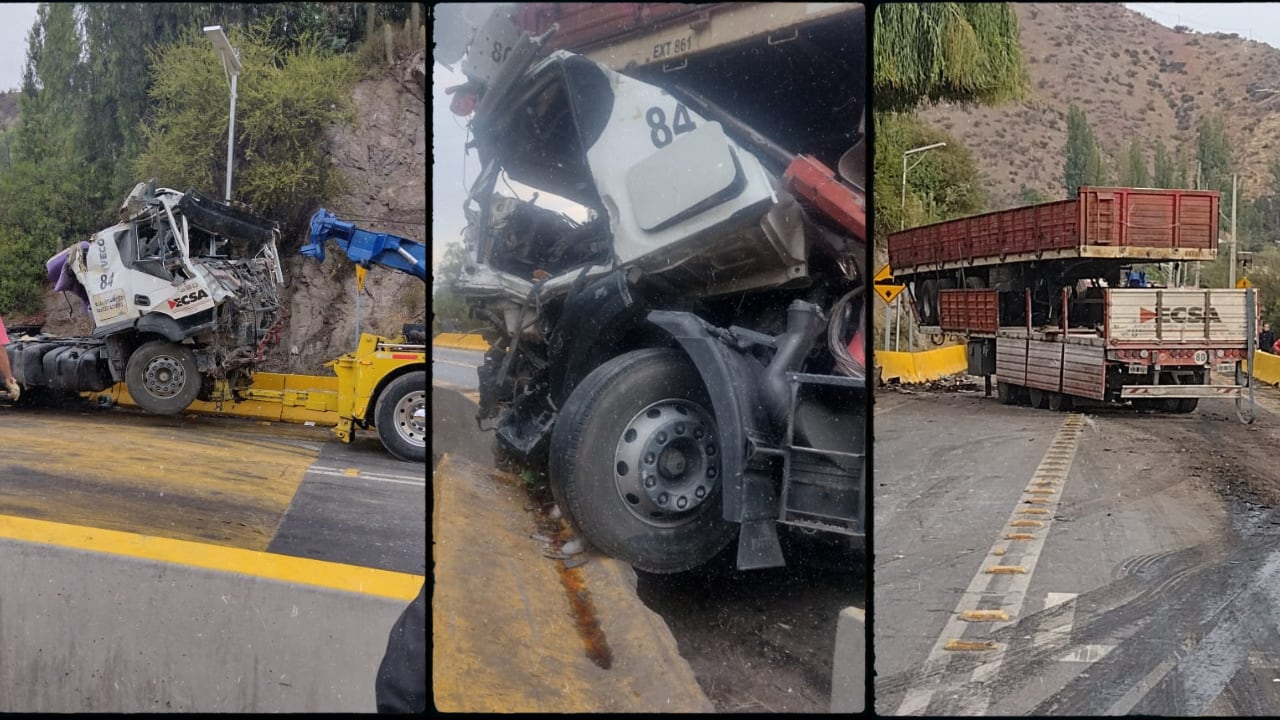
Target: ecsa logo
[(184, 300), (1180, 315)]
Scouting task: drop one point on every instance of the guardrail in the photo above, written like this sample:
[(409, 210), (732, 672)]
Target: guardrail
[(919, 367), (460, 341)]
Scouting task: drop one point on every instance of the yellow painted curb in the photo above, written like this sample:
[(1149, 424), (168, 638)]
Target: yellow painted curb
[(285, 568), (919, 367), (460, 341)]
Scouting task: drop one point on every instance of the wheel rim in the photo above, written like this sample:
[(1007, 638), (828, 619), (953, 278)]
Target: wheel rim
[(164, 376), (667, 463), (411, 418)]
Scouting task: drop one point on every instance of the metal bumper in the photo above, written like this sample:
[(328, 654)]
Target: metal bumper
[(1133, 392)]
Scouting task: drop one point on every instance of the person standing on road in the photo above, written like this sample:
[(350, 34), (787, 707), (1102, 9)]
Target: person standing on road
[(5, 372), (401, 683), (1267, 338)]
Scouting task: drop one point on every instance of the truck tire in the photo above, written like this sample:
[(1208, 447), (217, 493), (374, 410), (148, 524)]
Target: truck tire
[(400, 417), (162, 378), (1059, 402), (1007, 393), (1186, 405), (634, 463), (1039, 398)]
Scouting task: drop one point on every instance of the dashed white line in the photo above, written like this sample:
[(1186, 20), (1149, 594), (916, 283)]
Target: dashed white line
[(362, 475), (1027, 536)]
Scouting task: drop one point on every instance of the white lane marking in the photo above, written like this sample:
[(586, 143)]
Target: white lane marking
[(379, 477), (1060, 633), (1144, 686), (454, 362), (1087, 653), (974, 695)]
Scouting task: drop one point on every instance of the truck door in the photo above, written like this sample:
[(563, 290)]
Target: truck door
[(665, 175)]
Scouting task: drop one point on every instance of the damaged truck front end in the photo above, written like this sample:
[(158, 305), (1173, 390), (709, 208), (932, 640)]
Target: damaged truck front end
[(676, 308)]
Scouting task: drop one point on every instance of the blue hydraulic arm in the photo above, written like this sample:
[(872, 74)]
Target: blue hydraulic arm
[(366, 248)]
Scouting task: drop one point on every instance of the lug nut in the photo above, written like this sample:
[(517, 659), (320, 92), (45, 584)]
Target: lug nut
[(711, 449), (700, 492), (662, 499), (681, 502), (697, 434), (662, 438), (679, 428), (648, 458), (711, 472), (650, 481)]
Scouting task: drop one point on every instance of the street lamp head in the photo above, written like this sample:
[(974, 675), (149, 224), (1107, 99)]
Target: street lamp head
[(913, 151), (223, 46)]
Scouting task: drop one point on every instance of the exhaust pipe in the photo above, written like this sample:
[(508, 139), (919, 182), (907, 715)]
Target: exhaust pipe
[(805, 323)]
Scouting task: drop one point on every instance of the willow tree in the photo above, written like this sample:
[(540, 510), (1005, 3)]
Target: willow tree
[(966, 53), (926, 53)]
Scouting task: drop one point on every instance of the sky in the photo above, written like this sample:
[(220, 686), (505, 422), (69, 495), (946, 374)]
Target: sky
[(452, 173), (15, 21)]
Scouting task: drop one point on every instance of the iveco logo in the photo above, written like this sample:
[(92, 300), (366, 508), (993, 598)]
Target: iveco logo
[(1179, 315), (187, 299)]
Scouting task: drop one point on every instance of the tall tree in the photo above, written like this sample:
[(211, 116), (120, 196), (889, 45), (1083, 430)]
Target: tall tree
[(1213, 151), (946, 52), (1164, 176), (1084, 164), (1180, 178), (1134, 169)]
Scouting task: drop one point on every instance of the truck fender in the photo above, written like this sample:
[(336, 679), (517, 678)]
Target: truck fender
[(733, 382), (592, 327), (161, 325)]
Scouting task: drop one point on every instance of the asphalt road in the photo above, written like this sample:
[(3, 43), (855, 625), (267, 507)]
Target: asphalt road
[(456, 368), (286, 489), (1030, 562)]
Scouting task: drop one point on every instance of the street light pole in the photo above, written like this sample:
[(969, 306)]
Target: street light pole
[(230, 66), (902, 225), (1233, 231)]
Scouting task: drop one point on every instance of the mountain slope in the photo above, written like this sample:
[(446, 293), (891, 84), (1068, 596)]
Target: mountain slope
[(1134, 78)]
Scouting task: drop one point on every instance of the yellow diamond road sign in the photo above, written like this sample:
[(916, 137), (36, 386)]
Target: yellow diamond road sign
[(884, 286), (1243, 283)]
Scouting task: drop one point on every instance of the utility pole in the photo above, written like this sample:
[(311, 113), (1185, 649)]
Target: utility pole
[(1233, 231)]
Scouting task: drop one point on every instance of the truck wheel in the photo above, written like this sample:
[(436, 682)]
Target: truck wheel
[(635, 463), (1059, 402), (162, 378), (1186, 405), (1039, 398), (400, 417), (1007, 393)]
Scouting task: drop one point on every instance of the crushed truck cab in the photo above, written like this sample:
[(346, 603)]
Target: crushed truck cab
[(675, 296), (182, 294)]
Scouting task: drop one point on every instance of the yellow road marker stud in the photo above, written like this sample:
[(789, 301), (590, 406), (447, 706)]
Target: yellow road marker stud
[(1034, 511), (351, 472), (1045, 483), (1019, 536), (998, 552), (1039, 500), (1041, 491), (1006, 570), (1027, 523), (984, 616), (969, 645)]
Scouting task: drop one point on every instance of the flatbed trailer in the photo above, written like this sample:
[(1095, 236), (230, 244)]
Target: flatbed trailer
[(1039, 292), (377, 386)]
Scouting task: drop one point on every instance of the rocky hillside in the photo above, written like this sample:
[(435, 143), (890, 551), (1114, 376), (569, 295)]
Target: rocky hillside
[(1134, 78), (383, 157)]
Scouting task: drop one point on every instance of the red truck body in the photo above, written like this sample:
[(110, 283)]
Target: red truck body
[(1159, 225), (1041, 293)]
